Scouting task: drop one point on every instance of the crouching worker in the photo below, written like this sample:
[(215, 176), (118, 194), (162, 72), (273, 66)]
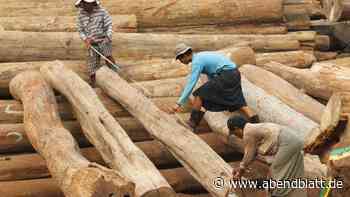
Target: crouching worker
[(276, 141), (222, 92), (95, 29)]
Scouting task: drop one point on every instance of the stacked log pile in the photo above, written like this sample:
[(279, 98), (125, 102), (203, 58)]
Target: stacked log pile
[(119, 132)]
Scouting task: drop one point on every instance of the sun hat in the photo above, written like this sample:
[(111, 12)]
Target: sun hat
[(88, 1), (181, 49)]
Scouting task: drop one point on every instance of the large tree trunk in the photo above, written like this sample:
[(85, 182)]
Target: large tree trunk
[(205, 166), (14, 140), (251, 28), (12, 112), (105, 133), (179, 178), (32, 166), (74, 174), (283, 90), (297, 18), (322, 80), (41, 46), (271, 109), (135, 70), (121, 23), (325, 56), (342, 62), (298, 59), (167, 13)]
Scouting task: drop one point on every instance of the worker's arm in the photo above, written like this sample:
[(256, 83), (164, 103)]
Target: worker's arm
[(191, 83), (108, 25), (82, 34), (250, 149)]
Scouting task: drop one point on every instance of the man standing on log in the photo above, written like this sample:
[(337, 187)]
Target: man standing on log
[(95, 29), (222, 92), (273, 140)]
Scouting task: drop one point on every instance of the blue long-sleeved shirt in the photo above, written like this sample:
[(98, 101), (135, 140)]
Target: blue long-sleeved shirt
[(209, 63)]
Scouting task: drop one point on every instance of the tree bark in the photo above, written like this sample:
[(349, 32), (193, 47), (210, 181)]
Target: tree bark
[(105, 133), (298, 59), (179, 178), (42, 46), (32, 166), (121, 23), (205, 166), (283, 90), (74, 174), (154, 13)]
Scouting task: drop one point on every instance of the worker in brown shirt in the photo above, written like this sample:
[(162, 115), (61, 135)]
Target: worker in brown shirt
[(276, 141)]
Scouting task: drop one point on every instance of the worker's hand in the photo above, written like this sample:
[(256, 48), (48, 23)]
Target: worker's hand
[(176, 108), (238, 172), (88, 42)]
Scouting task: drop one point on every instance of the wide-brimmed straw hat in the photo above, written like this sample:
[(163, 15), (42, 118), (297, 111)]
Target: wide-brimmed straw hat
[(88, 1), (181, 49)]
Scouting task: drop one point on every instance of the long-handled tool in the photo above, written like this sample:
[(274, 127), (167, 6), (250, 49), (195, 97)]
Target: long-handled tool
[(143, 89), (118, 69)]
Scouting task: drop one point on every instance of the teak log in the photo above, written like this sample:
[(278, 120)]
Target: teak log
[(42, 46), (14, 140), (325, 56), (321, 81), (32, 166), (102, 130), (298, 59), (121, 23), (204, 166), (74, 174), (12, 112), (251, 28), (179, 178), (283, 90), (342, 62), (165, 13), (297, 18), (136, 70)]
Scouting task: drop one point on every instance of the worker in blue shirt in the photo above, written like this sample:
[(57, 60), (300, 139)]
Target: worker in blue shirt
[(222, 92)]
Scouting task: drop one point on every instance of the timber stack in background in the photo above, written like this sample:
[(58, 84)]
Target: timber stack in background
[(292, 55)]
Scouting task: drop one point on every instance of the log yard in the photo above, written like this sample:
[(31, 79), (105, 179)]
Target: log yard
[(174, 98)]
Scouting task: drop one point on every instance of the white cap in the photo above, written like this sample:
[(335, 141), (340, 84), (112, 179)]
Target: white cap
[(181, 49), (88, 1)]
